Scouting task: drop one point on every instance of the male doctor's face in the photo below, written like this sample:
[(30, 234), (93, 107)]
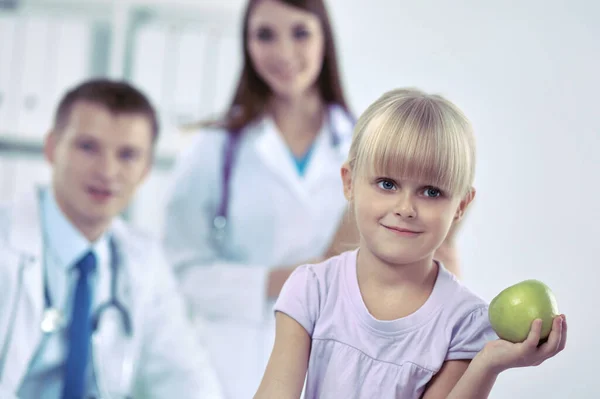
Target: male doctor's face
[(98, 160)]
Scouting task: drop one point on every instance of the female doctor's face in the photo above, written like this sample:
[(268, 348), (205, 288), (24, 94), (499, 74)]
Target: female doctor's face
[(286, 45), (98, 160)]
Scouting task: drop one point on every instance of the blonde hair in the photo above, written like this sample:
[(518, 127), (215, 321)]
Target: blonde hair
[(409, 134)]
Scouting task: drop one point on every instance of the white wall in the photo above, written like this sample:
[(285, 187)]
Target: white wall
[(526, 73)]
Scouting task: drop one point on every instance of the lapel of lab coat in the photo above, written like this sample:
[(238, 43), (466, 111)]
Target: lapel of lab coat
[(129, 289), (26, 238), (327, 159), (115, 354), (276, 155)]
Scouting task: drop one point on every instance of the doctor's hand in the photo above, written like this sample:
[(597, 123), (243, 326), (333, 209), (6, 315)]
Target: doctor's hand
[(278, 276)]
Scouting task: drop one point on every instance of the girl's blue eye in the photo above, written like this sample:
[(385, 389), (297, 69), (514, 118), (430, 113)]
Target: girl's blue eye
[(386, 185), (432, 192)]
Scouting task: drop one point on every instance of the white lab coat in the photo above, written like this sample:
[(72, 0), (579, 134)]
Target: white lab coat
[(165, 358), (276, 218)]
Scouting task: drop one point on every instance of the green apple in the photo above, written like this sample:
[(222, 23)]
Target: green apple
[(513, 310)]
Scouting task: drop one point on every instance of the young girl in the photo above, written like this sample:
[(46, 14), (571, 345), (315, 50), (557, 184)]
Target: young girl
[(386, 320)]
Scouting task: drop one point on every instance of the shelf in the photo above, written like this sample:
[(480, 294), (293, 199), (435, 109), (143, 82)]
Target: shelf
[(115, 36), (221, 14)]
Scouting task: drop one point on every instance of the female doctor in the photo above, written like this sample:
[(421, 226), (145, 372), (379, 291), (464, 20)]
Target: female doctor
[(260, 192)]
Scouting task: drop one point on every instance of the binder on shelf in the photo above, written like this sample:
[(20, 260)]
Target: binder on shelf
[(148, 63), (35, 44), (190, 63), (71, 63), (8, 85), (229, 64)]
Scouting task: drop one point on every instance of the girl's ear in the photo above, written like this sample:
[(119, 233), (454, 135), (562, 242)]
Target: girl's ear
[(347, 180), (464, 204)]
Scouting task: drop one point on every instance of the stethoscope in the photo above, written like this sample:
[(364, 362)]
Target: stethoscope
[(219, 227), (54, 321)]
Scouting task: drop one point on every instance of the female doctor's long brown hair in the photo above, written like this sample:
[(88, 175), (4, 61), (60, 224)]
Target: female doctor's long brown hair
[(252, 93)]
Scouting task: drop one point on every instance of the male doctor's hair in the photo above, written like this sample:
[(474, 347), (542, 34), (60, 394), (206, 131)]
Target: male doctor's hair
[(117, 97), (252, 92), (409, 134)]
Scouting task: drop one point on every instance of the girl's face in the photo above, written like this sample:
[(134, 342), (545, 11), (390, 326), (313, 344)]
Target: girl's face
[(401, 221), (286, 46)]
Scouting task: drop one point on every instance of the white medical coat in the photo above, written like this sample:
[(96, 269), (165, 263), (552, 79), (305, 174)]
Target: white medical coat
[(166, 359), (276, 218)]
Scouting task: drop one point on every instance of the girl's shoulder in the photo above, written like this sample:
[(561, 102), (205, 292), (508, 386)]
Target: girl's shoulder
[(309, 289), (463, 311), (331, 270)]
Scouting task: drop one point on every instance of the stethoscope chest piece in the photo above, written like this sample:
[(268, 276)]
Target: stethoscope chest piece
[(52, 320), (219, 226)]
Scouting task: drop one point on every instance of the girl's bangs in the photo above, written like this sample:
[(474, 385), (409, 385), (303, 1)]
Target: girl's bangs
[(414, 149)]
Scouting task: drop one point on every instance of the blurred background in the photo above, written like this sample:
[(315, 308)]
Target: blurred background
[(525, 72)]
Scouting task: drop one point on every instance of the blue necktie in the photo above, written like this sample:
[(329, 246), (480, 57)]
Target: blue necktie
[(80, 331)]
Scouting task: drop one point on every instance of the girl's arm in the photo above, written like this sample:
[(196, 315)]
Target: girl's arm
[(286, 370), (446, 379), (457, 381)]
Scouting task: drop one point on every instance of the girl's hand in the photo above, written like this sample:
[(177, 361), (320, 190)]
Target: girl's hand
[(500, 355)]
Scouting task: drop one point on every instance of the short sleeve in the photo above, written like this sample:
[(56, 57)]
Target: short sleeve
[(470, 335), (300, 298)]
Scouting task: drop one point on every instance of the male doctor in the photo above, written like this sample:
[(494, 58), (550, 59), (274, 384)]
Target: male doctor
[(87, 307)]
